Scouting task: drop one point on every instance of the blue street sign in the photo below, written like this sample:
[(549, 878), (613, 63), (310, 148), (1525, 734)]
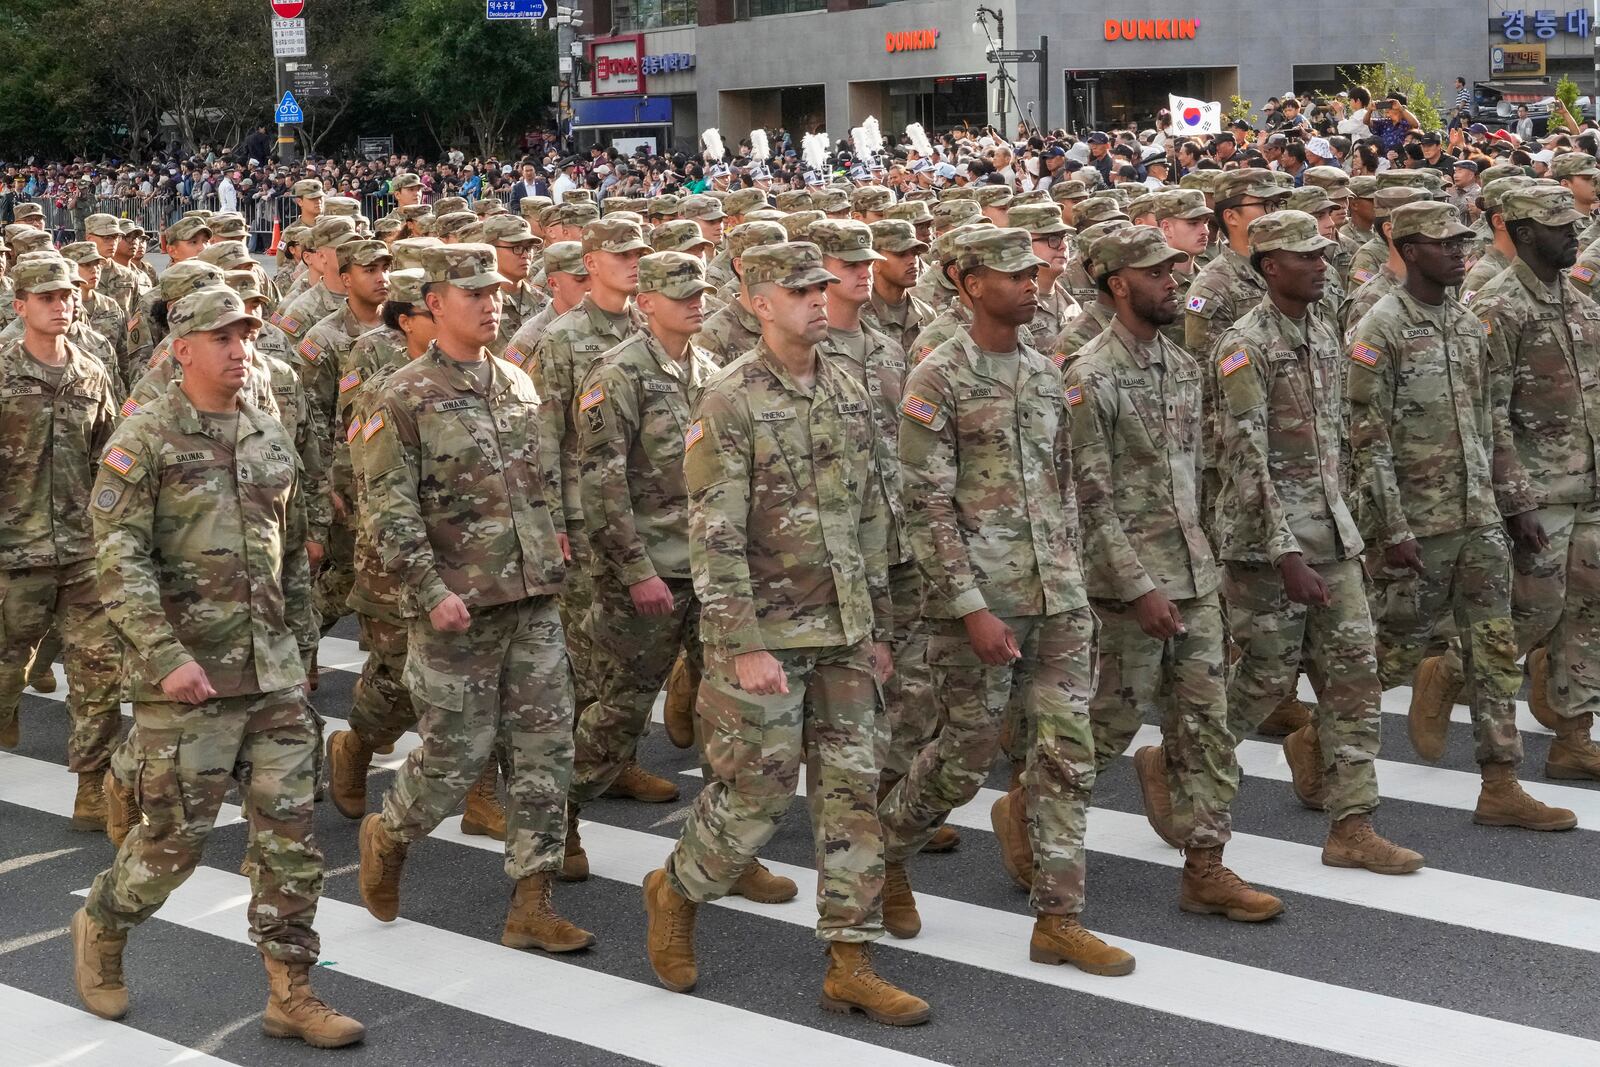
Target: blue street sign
[(289, 113), (500, 10)]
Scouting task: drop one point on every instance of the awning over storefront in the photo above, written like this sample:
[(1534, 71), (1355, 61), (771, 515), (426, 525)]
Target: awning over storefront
[(622, 111)]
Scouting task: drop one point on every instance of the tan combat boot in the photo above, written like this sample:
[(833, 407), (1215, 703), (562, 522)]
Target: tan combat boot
[(1352, 842), (89, 806), (762, 886), (532, 921), (293, 1010), (669, 933), (1209, 888), (900, 916), (1063, 939), (381, 861), (636, 783), (852, 984), (574, 860), (1303, 751), (1150, 764), (122, 809), (1286, 718), (1539, 689), (483, 815), (1502, 802), (1433, 693), (944, 839), (1573, 754), (44, 681), (348, 761), (677, 713), (97, 966), (1009, 819)]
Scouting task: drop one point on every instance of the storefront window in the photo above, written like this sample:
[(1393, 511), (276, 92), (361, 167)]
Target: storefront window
[(635, 15), (754, 9)]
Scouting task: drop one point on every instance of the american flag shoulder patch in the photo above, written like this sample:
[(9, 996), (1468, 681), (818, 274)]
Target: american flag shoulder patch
[(1487, 328), (373, 425), (1582, 273), (133, 323), (591, 398), (311, 350), (1196, 303), (129, 408), (353, 429), (1074, 395), (349, 381), (1364, 354), (156, 358), (919, 409), (1361, 275), (120, 461), (692, 435), (1058, 358), (289, 325), (1233, 361), (515, 355)]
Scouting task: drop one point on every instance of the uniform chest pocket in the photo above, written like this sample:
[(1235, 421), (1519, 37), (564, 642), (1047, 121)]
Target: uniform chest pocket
[(267, 473), (780, 445), (1043, 410), (662, 425), (191, 473), (1287, 384), (457, 433), (516, 429)]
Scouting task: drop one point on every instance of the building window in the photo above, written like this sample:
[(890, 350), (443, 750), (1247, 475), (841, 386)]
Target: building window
[(754, 9), (635, 15)]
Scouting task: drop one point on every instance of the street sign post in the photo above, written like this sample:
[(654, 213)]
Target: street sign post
[(288, 38), (375, 147), (288, 112), (288, 9), (507, 10), (1014, 55), (309, 81)]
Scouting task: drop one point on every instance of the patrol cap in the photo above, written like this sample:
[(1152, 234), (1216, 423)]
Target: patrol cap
[(507, 229), (914, 212), (210, 308), (1007, 250), (187, 229), (405, 286), (465, 266), (1311, 199), (1289, 230), (704, 208), (1574, 165), (1281, 178), (530, 206), (764, 214), (896, 236), (446, 204), (1431, 220), (614, 235), (948, 213), (130, 228), (362, 254), (1097, 209), (228, 255), (748, 235), (1071, 189), (795, 225), (102, 225), (245, 283), (1235, 185), (565, 257), (793, 200), (742, 200), (1129, 246), (1140, 205), (1549, 206), (678, 235), (1335, 182), (404, 181), (636, 217), (82, 253), (1203, 180), (387, 225), (843, 239), (992, 195), (46, 274), (578, 196), (675, 275), (407, 251), (1501, 170), (306, 189), (1038, 218), (1496, 190), (28, 239), (665, 205), (181, 279), (1179, 204), (875, 198), (230, 226), (792, 264), (571, 213), (27, 210), (1365, 186), (831, 201), (957, 192), (198, 213), (330, 231), (454, 223), (1032, 196), (296, 234), (1387, 200), (486, 206), (611, 203), (1396, 177), (944, 246)]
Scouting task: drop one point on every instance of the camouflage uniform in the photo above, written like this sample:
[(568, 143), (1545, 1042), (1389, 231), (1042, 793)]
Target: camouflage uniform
[(900, 322), (986, 453), (523, 302), (1091, 323), (202, 559), (732, 330), (1282, 426), (563, 257), (786, 543), (1136, 428)]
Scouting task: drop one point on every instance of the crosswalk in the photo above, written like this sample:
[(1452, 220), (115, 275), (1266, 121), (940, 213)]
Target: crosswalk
[(1470, 961)]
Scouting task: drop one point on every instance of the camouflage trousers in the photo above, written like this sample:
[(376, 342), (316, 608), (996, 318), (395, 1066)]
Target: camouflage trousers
[(501, 686), (46, 652), (1466, 576), (182, 763), (1053, 680), (1555, 601), (32, 601), (1278, 638), (632, 656), (336, 577), (911, 714), (1181, 683), (381, 708), (756, 745), (577, 594)]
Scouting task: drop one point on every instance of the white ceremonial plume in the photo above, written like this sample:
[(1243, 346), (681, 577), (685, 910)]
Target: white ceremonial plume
[(858, 139), (871, 142), (814, 150), (712, 140), (919, 139), (759, 149)]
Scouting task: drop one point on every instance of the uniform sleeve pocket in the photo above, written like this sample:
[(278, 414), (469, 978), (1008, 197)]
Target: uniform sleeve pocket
[(157, 784)]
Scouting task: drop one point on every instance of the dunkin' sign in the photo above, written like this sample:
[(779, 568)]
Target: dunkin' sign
[(911, 41)]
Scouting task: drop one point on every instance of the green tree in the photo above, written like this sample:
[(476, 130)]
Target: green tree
[(1567, 93), (1395, 73), (1239, 108)]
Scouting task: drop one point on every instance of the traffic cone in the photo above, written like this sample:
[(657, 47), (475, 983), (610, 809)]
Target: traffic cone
[(277, 232)]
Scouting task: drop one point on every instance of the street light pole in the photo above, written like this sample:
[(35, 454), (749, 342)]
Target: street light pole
[(981, 25)]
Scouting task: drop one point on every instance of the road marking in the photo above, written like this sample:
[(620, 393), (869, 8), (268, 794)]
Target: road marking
[(17, 863), (40, 1032)]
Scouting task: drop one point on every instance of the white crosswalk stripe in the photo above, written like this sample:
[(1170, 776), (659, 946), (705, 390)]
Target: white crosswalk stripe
[(39, 1032)]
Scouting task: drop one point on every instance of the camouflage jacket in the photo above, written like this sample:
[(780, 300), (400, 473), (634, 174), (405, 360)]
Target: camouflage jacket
[(786, 534), (1282, 420), (202, 549), (899, 322), (318, 357), (1366, 262), (1544, 374), (720, 270), (1358, 303), (1136, 456), (934, 290), (1225, 289), (50, 439), (1091, 322), (118, 283), (1584, 272), (954, 319), (986, 452), (729, 333), (1056, 313), (515, 310), (1422, 431), (463, 486), (883, 375), (1490, 264), (376, 591), (1076, 281), (632, 414)]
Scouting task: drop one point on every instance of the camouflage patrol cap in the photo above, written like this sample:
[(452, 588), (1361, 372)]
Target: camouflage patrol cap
[(764, 214), (198, 213), (748, 235), (843, 239), (1501, 170), (387, 225), (1071, 189), (230, 226), (1038, 218), (741, 201), (405, 286), (793, 200), (614, 235), (507, 229), (565, 257), (913, 211), (1289, 230), (465, 266), (612, 203), (1032, 196), (571, 213), (1574, 165), (362, 254), (792, 264), (678, 235), (1363, 186), (896, 236), (102, 225), (330, 231), (1129, 246), (228, 255), (1008, 250), (446, 204), (130, 228), (82, 253), (1235, 185), (702, 207), (246, 284), (796, 224), (921, 194), (992, 195), (27, 239), (530, 206), (454, 223), (1432, 221), (1399, 177), (1203, 180), (637, 205), (664, 206), (1546, 205), (944, 246), (407, 251), (297, 234), (1311, 199), (306, 189), (949, 213), (635, 217), (1330, 179), (1097, 209), (181, 279), (27, 210), (675, 275), (956, 192), (488, 206), (831, 201), (346, 207), (1141, 205), (404, 181), (578, 196), (1385, 201), (1282, 178), (1179, 204), (210, 308), (1496, 190), (45, 274), (1123, 193), (38, 255), (469, 235), (187, 229)]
